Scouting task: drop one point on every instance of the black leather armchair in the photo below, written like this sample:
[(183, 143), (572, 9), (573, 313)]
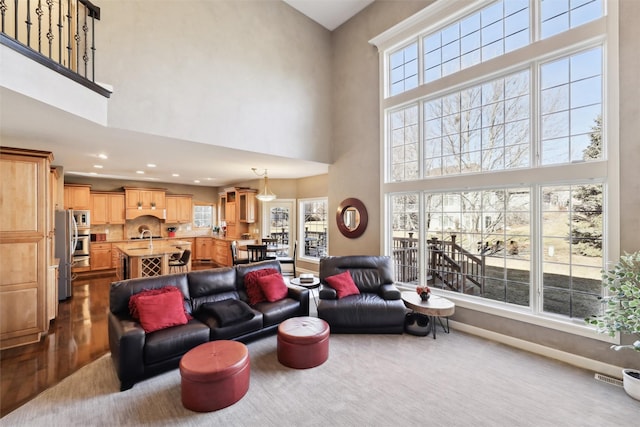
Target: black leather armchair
[(378, 308)]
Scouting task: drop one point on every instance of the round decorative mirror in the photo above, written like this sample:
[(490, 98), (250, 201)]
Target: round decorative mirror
[(352, 218)]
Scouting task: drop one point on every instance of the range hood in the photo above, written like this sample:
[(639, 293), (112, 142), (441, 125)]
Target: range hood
[(133, 213)]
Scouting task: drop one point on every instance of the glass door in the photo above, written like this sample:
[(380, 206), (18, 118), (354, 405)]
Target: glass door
[(278, 221)]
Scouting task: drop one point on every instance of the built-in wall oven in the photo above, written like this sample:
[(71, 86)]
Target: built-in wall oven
[(81, 252)]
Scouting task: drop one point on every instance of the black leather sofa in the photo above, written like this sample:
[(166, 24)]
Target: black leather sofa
[(377, 309), (138, 355)]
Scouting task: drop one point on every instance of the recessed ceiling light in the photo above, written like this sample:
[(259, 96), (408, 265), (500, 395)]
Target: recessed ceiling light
[(209, 179), (197, 181), (103, 156), (98, 166), (140, 172), (151, 165), (175, 174)]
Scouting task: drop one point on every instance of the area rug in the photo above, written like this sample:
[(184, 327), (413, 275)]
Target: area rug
[(369, 380)]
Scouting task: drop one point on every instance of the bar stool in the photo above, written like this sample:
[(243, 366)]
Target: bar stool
[(181, 263)]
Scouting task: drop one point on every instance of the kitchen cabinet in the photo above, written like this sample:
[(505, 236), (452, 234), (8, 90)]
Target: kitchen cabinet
[(230, 208), (25, 258), (222, 252), (222, 204), (146, 198), (179, 209), (77, 196), (145, 201), (239, 210), (204, 248), (101, 256), (247, 212), (107, 208)]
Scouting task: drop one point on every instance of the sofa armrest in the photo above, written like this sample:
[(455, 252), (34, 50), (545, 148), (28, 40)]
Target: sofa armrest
[(126, 342), (327, 292), (388, 291), (302, 295)]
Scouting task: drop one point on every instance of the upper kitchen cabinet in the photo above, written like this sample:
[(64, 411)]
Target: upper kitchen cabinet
[(247, 211), (179, 209), (107, 208), (145, 201), (239, 210), (77, 196), (145, 198)]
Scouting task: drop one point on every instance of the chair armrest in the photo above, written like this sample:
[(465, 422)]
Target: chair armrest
[(327, 292), (389, 291), (302, 295)]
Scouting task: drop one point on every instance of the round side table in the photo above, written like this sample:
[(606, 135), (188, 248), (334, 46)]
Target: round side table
[(310, 285), (434, 307)]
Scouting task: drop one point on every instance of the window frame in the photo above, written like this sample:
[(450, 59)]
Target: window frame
[(603, 32)]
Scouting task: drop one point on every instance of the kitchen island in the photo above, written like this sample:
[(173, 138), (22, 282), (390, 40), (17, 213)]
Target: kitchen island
[(147, 259)]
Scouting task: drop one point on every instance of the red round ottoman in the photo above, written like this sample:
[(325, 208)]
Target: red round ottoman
[(303, 342), (214, 375)]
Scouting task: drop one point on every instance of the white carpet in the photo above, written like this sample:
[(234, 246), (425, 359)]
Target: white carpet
[(369, 380)]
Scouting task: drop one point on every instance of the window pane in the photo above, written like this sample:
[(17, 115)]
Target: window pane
[(488, 233), (476, 38), (557, 16), (404, 149), (572, 249), (404, 236), (403, 69), (314, 228)]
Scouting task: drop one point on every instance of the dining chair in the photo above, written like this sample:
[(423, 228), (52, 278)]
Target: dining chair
[(182, 263), (257, 252), (289, 259), (234, 255)]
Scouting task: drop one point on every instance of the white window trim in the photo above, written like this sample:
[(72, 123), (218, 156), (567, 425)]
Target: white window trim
[(437, 15)]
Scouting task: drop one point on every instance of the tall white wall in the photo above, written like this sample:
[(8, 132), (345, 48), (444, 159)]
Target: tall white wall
[(251, 75)]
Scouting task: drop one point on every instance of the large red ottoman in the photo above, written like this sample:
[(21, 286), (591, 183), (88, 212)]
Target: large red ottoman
[(214, 375), (303, 342)]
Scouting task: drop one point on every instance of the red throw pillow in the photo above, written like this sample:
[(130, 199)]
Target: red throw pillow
[(343, 284), (273, 287), (161, 311), (254, 292), (133, 308)]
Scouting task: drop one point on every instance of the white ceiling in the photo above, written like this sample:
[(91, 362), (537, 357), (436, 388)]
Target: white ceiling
[(76, 143), (329, 13)]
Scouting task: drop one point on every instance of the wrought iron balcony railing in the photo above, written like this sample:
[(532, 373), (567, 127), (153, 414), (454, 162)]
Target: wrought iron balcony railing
[(59, 34)]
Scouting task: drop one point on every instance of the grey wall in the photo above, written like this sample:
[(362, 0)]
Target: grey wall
[(355, 171), (251, 74)]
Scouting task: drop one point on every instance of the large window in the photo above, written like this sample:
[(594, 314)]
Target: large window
[(489, 198)]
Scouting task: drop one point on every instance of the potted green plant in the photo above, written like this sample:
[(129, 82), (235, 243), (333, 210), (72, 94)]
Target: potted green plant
[(622, 311)]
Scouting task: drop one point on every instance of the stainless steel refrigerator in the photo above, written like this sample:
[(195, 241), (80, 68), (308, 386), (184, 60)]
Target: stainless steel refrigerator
[(66, 240)]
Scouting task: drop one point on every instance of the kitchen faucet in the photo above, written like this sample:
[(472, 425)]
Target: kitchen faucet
[(150, 237)]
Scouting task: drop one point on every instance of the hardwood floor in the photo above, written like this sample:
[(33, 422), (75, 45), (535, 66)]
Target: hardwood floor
[(76, 337)]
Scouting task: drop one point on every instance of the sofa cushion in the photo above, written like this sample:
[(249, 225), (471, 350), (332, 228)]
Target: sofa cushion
[(273, 287), (161, 310), (343, 284), (170, 343), (228, 311), (133, 301), (254, 292)]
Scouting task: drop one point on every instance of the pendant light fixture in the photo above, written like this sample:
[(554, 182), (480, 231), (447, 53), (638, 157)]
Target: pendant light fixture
[(265, 195)]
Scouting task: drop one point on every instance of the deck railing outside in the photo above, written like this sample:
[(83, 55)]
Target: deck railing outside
[(449, 264)]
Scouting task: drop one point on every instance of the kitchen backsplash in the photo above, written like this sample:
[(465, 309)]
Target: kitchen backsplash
[(157, 228)]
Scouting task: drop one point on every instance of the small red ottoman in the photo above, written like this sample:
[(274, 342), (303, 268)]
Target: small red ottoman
[(303, 342), (214, 375)]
